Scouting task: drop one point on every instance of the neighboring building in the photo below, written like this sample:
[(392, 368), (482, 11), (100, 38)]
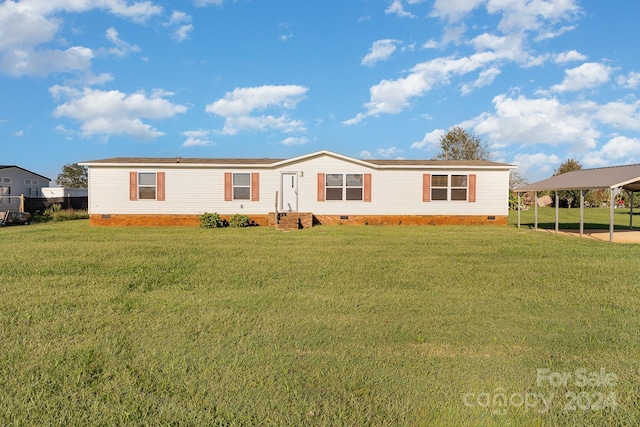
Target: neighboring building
[(58, 192), (16, 181), (319, 188)]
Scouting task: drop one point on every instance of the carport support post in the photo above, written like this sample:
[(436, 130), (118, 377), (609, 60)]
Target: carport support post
[(557, 210), (518, 210), (581, 212), (630, 210), (611, 200), (535, 203)]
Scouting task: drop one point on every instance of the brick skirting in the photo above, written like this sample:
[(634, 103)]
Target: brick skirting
[(161, 220), (410, 219), (268, 220)]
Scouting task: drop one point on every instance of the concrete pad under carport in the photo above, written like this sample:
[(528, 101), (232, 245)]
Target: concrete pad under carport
[(620, 236)]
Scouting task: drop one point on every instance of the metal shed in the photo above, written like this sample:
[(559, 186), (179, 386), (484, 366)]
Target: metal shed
[(614, 179)]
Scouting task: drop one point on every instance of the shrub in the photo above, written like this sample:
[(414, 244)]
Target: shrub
[(55, 213), (211, 220), (238, 220)]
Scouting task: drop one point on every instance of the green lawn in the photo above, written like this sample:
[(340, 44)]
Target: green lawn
[(594, 218), (330, 326)]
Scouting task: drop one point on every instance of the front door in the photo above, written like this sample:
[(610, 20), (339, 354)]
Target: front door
[(289, 192)]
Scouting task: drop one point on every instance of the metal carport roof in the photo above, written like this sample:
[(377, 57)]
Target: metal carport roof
[(613, 178), (627, 176)]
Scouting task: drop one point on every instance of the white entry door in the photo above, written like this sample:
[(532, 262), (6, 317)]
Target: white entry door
[(289, 192)]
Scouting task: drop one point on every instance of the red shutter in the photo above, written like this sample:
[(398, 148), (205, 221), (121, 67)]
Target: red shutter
[(367, 187), (472, 188), (160, 185), (228, 188), (133, 185), (321, 187), (426, 187), (255, 186)]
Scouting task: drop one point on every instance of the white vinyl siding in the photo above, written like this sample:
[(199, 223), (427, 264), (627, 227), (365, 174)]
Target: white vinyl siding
[(199, 189)]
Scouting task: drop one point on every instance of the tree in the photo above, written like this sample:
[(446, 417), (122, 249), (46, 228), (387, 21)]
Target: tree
[(568, 165), (517, 180), (457, 144), (73, 176)]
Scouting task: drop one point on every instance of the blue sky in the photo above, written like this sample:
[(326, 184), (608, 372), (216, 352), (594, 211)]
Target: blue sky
[(539, 80)]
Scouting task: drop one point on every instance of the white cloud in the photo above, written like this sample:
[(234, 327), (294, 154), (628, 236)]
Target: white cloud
[(27, 25), (181, 24), (197, 138), (388, 152), (485, 78), (539, 121), (586, 76), (182, 33), (381, 50), (113, 112), (619, 150), (202, 3), (21, 62), (431, 140), (393, 96), (122, 48), (366, 155), (539, 164), (431, 44), (531, 15), (396, 8), (619, 114), (454, 10), (237, 106), (630, 81), (569, 56), (295, 141), (19, 133)]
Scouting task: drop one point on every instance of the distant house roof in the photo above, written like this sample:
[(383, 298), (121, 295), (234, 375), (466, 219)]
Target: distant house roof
[(278, 162), (23, 169), (627, 176)]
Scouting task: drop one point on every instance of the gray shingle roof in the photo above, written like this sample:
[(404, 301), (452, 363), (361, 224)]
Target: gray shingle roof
[(627, 176)]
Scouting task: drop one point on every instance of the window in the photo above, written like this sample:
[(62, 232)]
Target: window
[(334, 186), (147, 185), (458, 187), (445, 187), (241, 186), (31, 181), (439, 184), (348, 186), (5, 180), (6, 192)]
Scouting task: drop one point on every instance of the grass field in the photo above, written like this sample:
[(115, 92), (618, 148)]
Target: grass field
[(433, 326)]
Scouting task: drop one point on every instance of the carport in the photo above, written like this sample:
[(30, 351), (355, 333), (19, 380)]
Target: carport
[(614, 179)]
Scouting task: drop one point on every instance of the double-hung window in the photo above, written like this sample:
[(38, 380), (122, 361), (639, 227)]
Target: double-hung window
[(449, 187), (5, 193), (147, 185), (348, 186), (439, 187), (241, 186)]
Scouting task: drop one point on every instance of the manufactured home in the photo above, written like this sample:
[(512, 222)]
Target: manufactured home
[(16, 182), (318, 188)]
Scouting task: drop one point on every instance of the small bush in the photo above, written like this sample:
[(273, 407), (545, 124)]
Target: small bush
[(238, 220), (211, 220)]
